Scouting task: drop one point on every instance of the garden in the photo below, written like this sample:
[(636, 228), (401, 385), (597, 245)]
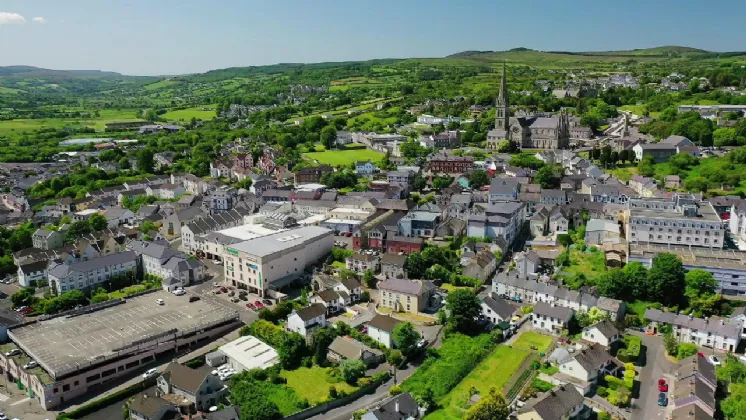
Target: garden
[(618, 391), (528, 339)]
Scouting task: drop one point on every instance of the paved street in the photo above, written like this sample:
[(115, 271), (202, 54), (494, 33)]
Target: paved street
[(656, 366)]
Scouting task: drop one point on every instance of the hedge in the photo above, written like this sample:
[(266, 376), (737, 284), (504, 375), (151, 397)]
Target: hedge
[(631, 351), (107, 400)]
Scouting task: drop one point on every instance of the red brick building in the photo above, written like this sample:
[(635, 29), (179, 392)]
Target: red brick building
[(407, 245), (442, 163)]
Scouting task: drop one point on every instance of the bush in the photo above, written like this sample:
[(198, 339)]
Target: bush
[(685, 350), (395, 390), (631, 351), (332, 393), (602, 392)]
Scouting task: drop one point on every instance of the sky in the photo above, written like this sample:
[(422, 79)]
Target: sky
[(168, 37)]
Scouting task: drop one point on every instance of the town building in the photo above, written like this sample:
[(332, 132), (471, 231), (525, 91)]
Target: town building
[(562, 402), (87, 275), (724, 335), (343, 348), (499, 220), (248, 352), (405, 295), (47, 239), (443, 163), (551, 317), (660, 152), (399, 407), (200, 388), (496, 309), (312, 175), (392, 266), (307, 320), (381, 328), (603, 333), (583, 368)]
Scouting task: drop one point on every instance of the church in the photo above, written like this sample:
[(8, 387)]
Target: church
[(529, 131)]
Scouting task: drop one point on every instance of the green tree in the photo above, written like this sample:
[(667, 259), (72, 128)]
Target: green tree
[(732, 371), (490, 407), (369, 279), (548, 176), (478, 178), (639, 283), (395, 359), (734, 407), (405, 337), (699, 283), (670, 344), (464, 308), (352, 370), (145, 162), (23, 297), (329, 137), (668, 272), (426, 399), (322, 339), (685, 350), (124, 164), (613, 284), (98, 222)]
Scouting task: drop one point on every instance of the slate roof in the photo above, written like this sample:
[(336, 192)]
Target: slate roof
[(406, 286), (386, 411), (559, 312), (724, 329), (696, 365), (606, 328), (228, 413), (328, 295), (350, 349), (499, 305), (697, 387), (183, 377), (351, 283), (63, 270), (690, 412), (593, 357), (384, 323), (148, 406), (312, 311), (394, 259), (556, 404)]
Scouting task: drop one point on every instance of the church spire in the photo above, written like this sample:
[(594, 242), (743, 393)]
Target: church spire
[(502, 104)]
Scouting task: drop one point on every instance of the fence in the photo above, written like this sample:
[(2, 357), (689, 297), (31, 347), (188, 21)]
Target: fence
[(330, 405)]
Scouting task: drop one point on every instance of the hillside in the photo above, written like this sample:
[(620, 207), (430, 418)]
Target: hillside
[(29, 71)]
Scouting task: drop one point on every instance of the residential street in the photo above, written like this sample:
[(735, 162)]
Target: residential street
[(656, 366)]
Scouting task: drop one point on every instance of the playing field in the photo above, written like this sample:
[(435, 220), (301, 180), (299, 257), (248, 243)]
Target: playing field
[(494, 371), (528, 339), (344, 157)]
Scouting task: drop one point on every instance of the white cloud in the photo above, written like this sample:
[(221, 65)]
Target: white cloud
[(7, 18), (39, 19)]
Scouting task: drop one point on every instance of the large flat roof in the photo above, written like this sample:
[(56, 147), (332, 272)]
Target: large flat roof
[(248, 231), (65, 344), (270, 244), (694, 256), (251, 353)]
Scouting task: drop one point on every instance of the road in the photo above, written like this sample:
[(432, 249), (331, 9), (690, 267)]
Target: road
[(655, 367)]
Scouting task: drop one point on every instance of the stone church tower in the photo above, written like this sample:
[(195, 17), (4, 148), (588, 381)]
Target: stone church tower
[(502, 106)]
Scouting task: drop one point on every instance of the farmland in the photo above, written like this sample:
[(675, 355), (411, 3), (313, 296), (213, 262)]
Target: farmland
[(344, 157), (206, 112)]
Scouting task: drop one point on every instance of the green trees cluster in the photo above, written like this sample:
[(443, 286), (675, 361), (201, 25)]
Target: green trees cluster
[(733, 373), (688, 124), (13, 240), (291, 347), (463, 308), (526, 160), (340, 179)]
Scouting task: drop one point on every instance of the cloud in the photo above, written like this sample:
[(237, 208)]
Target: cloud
[(39, 19), (7, 18)]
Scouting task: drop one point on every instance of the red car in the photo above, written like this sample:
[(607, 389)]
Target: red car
[(348, 234), (27, 311), (224, 290), (258, 304), (250, 306), (662, 385)]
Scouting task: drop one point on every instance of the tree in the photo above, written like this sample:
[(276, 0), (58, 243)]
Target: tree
[(426, 399), (685, 350), (548, 176), (668, 272), (507, 146), (322, 338), (699, 283), (124, 164), (405, 337), (329, 137), (478, 178), (395, 359), (145, 161), (23, 297), (98, 222), (732, 371), (613, 284), (670, 344), (638, 281), (352, 370), (490, 407), (464, 308), (369, 279)]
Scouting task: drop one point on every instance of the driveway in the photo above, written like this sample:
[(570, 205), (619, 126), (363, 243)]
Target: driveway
[(656, 366)]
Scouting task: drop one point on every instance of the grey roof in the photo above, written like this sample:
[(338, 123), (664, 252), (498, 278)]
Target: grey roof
[(559, 312), (228, 413), (384, 323), (690, 412), (350, 349), (328, 295), (33, 266), (697, 387), (674, 140), (657, 146), (606, 328), (553, 193), (411, 287), (116, 212), (43, 232), (387, 411), (148, 406), (594, 225), (593, 357), (152, 249), (63, 270), (184, 377), (609, 304), (727, 329), (556, 404), (276, 242), (312, 311), (696, 366), (351, 283), (394, 259), (499, 305)]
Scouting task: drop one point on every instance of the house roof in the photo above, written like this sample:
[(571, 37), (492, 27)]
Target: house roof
[(351, 283), (362, 257), (328, 295), (499, 305), (593, 357), (723, 328), (559, 312), (148, 406), (556, 404), (696, 365), (384, 323), (350, 349), (312, 311), (184, 377), (228, 413), (606, 328), (690, 412), (387, 411), (411, 287), (697, 387), (394, 259)]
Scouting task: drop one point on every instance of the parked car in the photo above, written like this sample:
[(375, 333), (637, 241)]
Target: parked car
[(232, 293), (179, 292), (267, 302), (235, 299), (662, 399), (249, 305), (21, 308), (215, 284), (30, 365), (224, 289), (150, 373), (348, 234), (193, 299), (258, 304), (422, 344), (218, 262), (243, 297), (3, 416), (27, 311), (160, 301), (13, 352), (662, 385), (714, 360), (517, 299)]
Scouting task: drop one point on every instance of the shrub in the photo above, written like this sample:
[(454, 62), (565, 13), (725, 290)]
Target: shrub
[(332, 393), (395, 390), (631, 351), (685, 350), (602, 392)]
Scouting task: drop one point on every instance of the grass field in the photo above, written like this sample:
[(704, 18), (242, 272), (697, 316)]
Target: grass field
[(98, 123), (528, 339), (623, 173), (313, 383), (590, 264), (344, 157), (494, 371), (189, 113)]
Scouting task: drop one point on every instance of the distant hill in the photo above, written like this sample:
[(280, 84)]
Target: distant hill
[(29, 71), (670, 51), (665, 51)]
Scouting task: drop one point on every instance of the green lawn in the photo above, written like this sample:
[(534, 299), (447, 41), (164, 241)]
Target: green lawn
[(344, 157), (590, 264), (623, 173), (709, 168), (189, 113), (313, 383), (528, 339), (98, 123), (494, 371)]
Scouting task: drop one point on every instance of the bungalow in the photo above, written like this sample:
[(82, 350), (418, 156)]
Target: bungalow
[(343, 348), (144, 407), (199, 388), (381, 329), (562, 402)]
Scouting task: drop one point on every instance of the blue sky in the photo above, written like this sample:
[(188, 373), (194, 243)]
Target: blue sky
[(150, 37)]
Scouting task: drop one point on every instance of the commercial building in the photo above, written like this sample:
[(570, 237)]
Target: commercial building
[(79, 351), (680, 220), (248, 352), (727, 266), (263, 265)]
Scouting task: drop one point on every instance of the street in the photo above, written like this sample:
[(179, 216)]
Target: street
[(655, 366)]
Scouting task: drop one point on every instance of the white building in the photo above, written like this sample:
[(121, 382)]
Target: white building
[(722, 335), (275, 260), (500, 220), (248, 352), (158, 259), (92, 273), (307, 320), (381, 329), (31, 272), (365, 168), (47, 239), (583, 368), (551, 317), (165, 191), (603, 333)]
